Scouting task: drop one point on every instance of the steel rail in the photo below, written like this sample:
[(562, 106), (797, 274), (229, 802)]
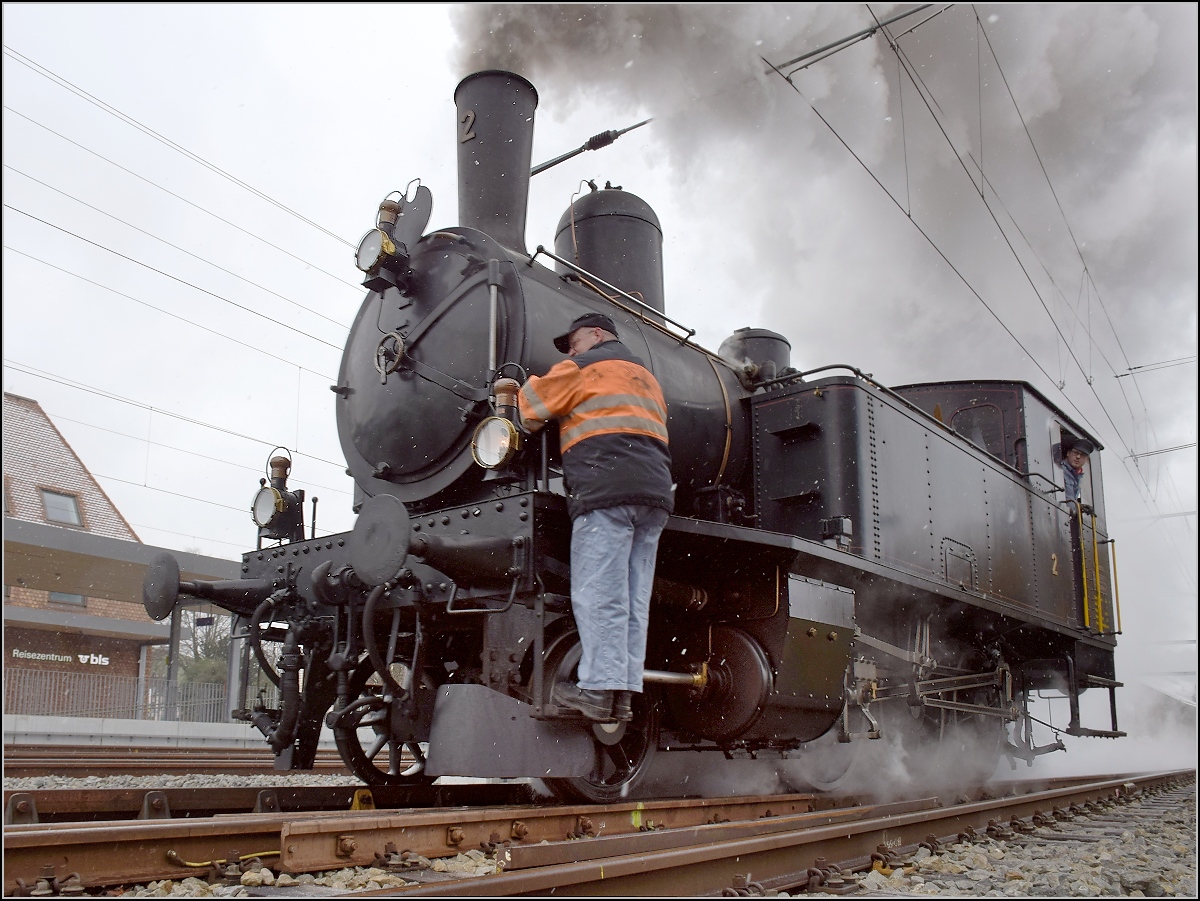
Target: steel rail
[(61, 805), (655, 850), (778, 860), (116, 852)]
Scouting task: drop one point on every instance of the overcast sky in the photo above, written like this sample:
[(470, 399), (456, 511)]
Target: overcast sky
[(1078, 262)]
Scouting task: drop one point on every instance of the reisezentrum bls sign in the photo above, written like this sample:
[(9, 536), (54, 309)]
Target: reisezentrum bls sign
[(90, 659)]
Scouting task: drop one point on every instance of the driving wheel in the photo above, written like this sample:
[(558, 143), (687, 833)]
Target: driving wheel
[(621, 752)]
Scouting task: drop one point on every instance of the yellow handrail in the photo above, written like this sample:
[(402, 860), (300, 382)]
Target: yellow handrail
[(1116, 583), (1096, 566), (1087, 622)]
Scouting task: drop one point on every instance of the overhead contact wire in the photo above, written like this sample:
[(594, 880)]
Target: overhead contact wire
[(194, 256), (173, 277), (1050, 184), (958, 156), (150, 132), (205, 328), (922, 89), (180, 197), (915, 225), (182, 450), (28, 369)]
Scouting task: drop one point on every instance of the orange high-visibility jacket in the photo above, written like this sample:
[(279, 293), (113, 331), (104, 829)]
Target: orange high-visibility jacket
[(612, 427)]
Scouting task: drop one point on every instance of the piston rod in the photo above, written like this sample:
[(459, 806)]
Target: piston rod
[(664, 677)]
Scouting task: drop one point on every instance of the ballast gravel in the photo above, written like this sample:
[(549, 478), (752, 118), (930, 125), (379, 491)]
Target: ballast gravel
[(350, 879), (1142, 850), (262, 780)]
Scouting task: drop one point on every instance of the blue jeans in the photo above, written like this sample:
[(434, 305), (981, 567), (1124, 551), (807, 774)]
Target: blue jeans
[(613, 553)]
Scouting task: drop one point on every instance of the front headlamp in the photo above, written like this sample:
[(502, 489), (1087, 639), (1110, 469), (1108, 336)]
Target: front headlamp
[(267, 504), (495, 442), (373, 249)]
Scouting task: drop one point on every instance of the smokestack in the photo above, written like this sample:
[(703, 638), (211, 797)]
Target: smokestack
[(495, 149)]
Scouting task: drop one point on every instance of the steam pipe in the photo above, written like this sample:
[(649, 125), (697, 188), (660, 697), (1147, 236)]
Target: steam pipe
[(368, 629), (289, 689), (256, 644)]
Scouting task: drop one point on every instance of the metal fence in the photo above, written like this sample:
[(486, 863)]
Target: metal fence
[(44, 693)]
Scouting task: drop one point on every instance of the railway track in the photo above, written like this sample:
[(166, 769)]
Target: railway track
[(683, 847), (91, 804)]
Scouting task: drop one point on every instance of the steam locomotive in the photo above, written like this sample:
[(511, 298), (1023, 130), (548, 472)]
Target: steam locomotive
[(846, 560)]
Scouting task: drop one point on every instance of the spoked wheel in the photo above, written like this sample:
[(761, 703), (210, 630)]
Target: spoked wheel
[(364, 736), (943, 745), (621, 751)]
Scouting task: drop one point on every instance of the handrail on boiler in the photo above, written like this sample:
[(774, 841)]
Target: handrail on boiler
[(579, 270)]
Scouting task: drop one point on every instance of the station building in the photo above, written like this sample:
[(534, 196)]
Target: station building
[(47, 487)]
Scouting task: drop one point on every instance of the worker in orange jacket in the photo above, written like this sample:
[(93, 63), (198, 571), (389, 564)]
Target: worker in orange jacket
[(612, 421)]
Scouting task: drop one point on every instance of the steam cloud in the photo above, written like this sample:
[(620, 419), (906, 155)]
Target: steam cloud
[(1107, 92)]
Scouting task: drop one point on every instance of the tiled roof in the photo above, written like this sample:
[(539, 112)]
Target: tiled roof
[(37, 456)]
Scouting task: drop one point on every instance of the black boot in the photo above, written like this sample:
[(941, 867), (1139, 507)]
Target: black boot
[(623, 706), (595, 705)]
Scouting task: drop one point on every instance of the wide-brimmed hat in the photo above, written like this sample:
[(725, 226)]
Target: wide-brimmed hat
[(587, 320)]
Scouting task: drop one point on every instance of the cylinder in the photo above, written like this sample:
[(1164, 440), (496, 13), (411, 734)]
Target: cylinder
[(495, 147), (617, 236)]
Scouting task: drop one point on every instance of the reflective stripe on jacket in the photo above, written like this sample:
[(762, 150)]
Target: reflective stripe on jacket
[(612, 427), (603, 397)]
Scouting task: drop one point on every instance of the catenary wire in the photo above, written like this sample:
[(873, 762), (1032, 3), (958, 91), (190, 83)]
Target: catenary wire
[(180, 197), (1130, 456), (1045, 269), (938, 250), (190, 497), (1165, 450), (836, 47), (919, 84), (176, 278), (1154, 367), (241, 510), (28, 369), (1049, 184), (174, 246), (182, 450), (920, 230), (1086, 276), (179, 148), (1087, 281), (144, 303), (922, 89), (194, 537)]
